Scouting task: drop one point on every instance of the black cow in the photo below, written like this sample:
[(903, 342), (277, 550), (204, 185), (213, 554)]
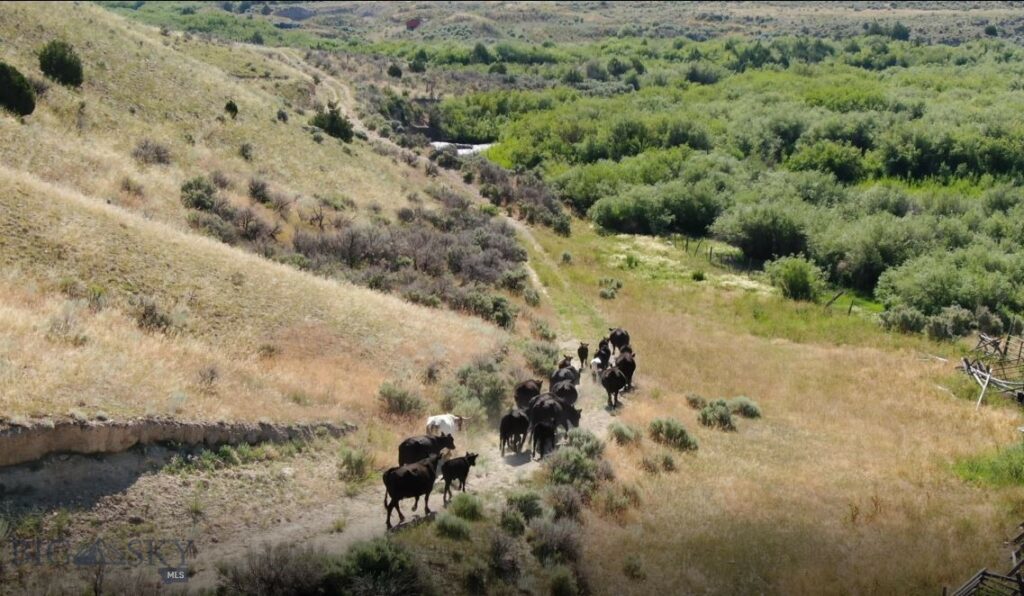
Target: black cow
[(603, 344), (567, 373), (415, 449), (627, 349), (409, 481), (618, 337), (566, 361), (514, 427), (528, 390), (457, 468), (543, 434), (626, 362), (566, 390), (613, 380), (583, 351), (554, 411)]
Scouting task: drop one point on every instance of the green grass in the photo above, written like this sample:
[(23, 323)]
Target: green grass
[(1001, 468)]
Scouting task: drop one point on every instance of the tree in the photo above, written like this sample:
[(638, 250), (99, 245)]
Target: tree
[(16, 94), (395, 71), (991, 30), (333, 122), (417, 65), (899, 31), (481, 54), (59, 62)]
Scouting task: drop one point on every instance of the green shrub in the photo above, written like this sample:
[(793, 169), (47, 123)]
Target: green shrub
[(763, 230), (466, 506), (622, 433), (1001, 468), (570, 465), (450, 526), (716, 415), (607, 294), (566, 501), (231, 108), (695, 401), (988, 322), (369, 569), (526, 502), (744, 406), (512, 521), (633, 569), (59, 62), (477, 386), (649, 464), (796, 277), (400, 401), (902, 318), (668, 463), (585, 441), (563, 582), (16, 94), (354, 464), (150, 152), (697, 275), (198, 193), (276, 569), (555, 541), (541, 330), (395, 71), (332, 122), (531, 296), (616, 499), (540, 357), (567, 258), (670, 432), (952, 322)]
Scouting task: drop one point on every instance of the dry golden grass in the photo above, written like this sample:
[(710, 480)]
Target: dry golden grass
[(334, 342), (844, 486), (142, 85)]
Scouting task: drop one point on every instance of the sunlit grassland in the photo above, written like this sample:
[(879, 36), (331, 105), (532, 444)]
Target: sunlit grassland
[(849, 470)]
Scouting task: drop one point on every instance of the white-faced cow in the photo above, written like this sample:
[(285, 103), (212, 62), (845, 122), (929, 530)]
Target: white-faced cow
[(457, 468), (514, 427), (410, 481), (528, 390), (415, 449), (613, 380), (445, 424), (618, 337)]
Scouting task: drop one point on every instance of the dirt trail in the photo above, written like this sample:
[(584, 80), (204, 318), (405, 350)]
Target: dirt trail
[(364, 512)]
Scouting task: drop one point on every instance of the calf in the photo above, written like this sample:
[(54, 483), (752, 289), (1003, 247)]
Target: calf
[(566, 361), (543, 434), (527, 390), (513, 429), (409, 481), (618, 337), (456, 468), (603, 344), (613, 380), (445, 424), (601, 359), (415, 449), (583, 351)]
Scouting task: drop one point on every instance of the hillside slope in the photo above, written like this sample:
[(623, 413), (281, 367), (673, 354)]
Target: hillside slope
[(92, 238)]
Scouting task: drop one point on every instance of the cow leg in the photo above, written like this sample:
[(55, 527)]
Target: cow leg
[(462, 483), (426, 502), (387, 507), (447, 494), (416, 503)]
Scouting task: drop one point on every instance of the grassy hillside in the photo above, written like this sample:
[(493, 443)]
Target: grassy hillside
[(91, 236)]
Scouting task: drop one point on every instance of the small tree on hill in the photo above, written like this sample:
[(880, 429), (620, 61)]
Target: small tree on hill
[(59, 61), (231, 108), (333, 122), (395, 71), (16, 93)]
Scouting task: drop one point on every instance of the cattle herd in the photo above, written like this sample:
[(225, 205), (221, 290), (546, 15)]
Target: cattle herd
[(536, 416)]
